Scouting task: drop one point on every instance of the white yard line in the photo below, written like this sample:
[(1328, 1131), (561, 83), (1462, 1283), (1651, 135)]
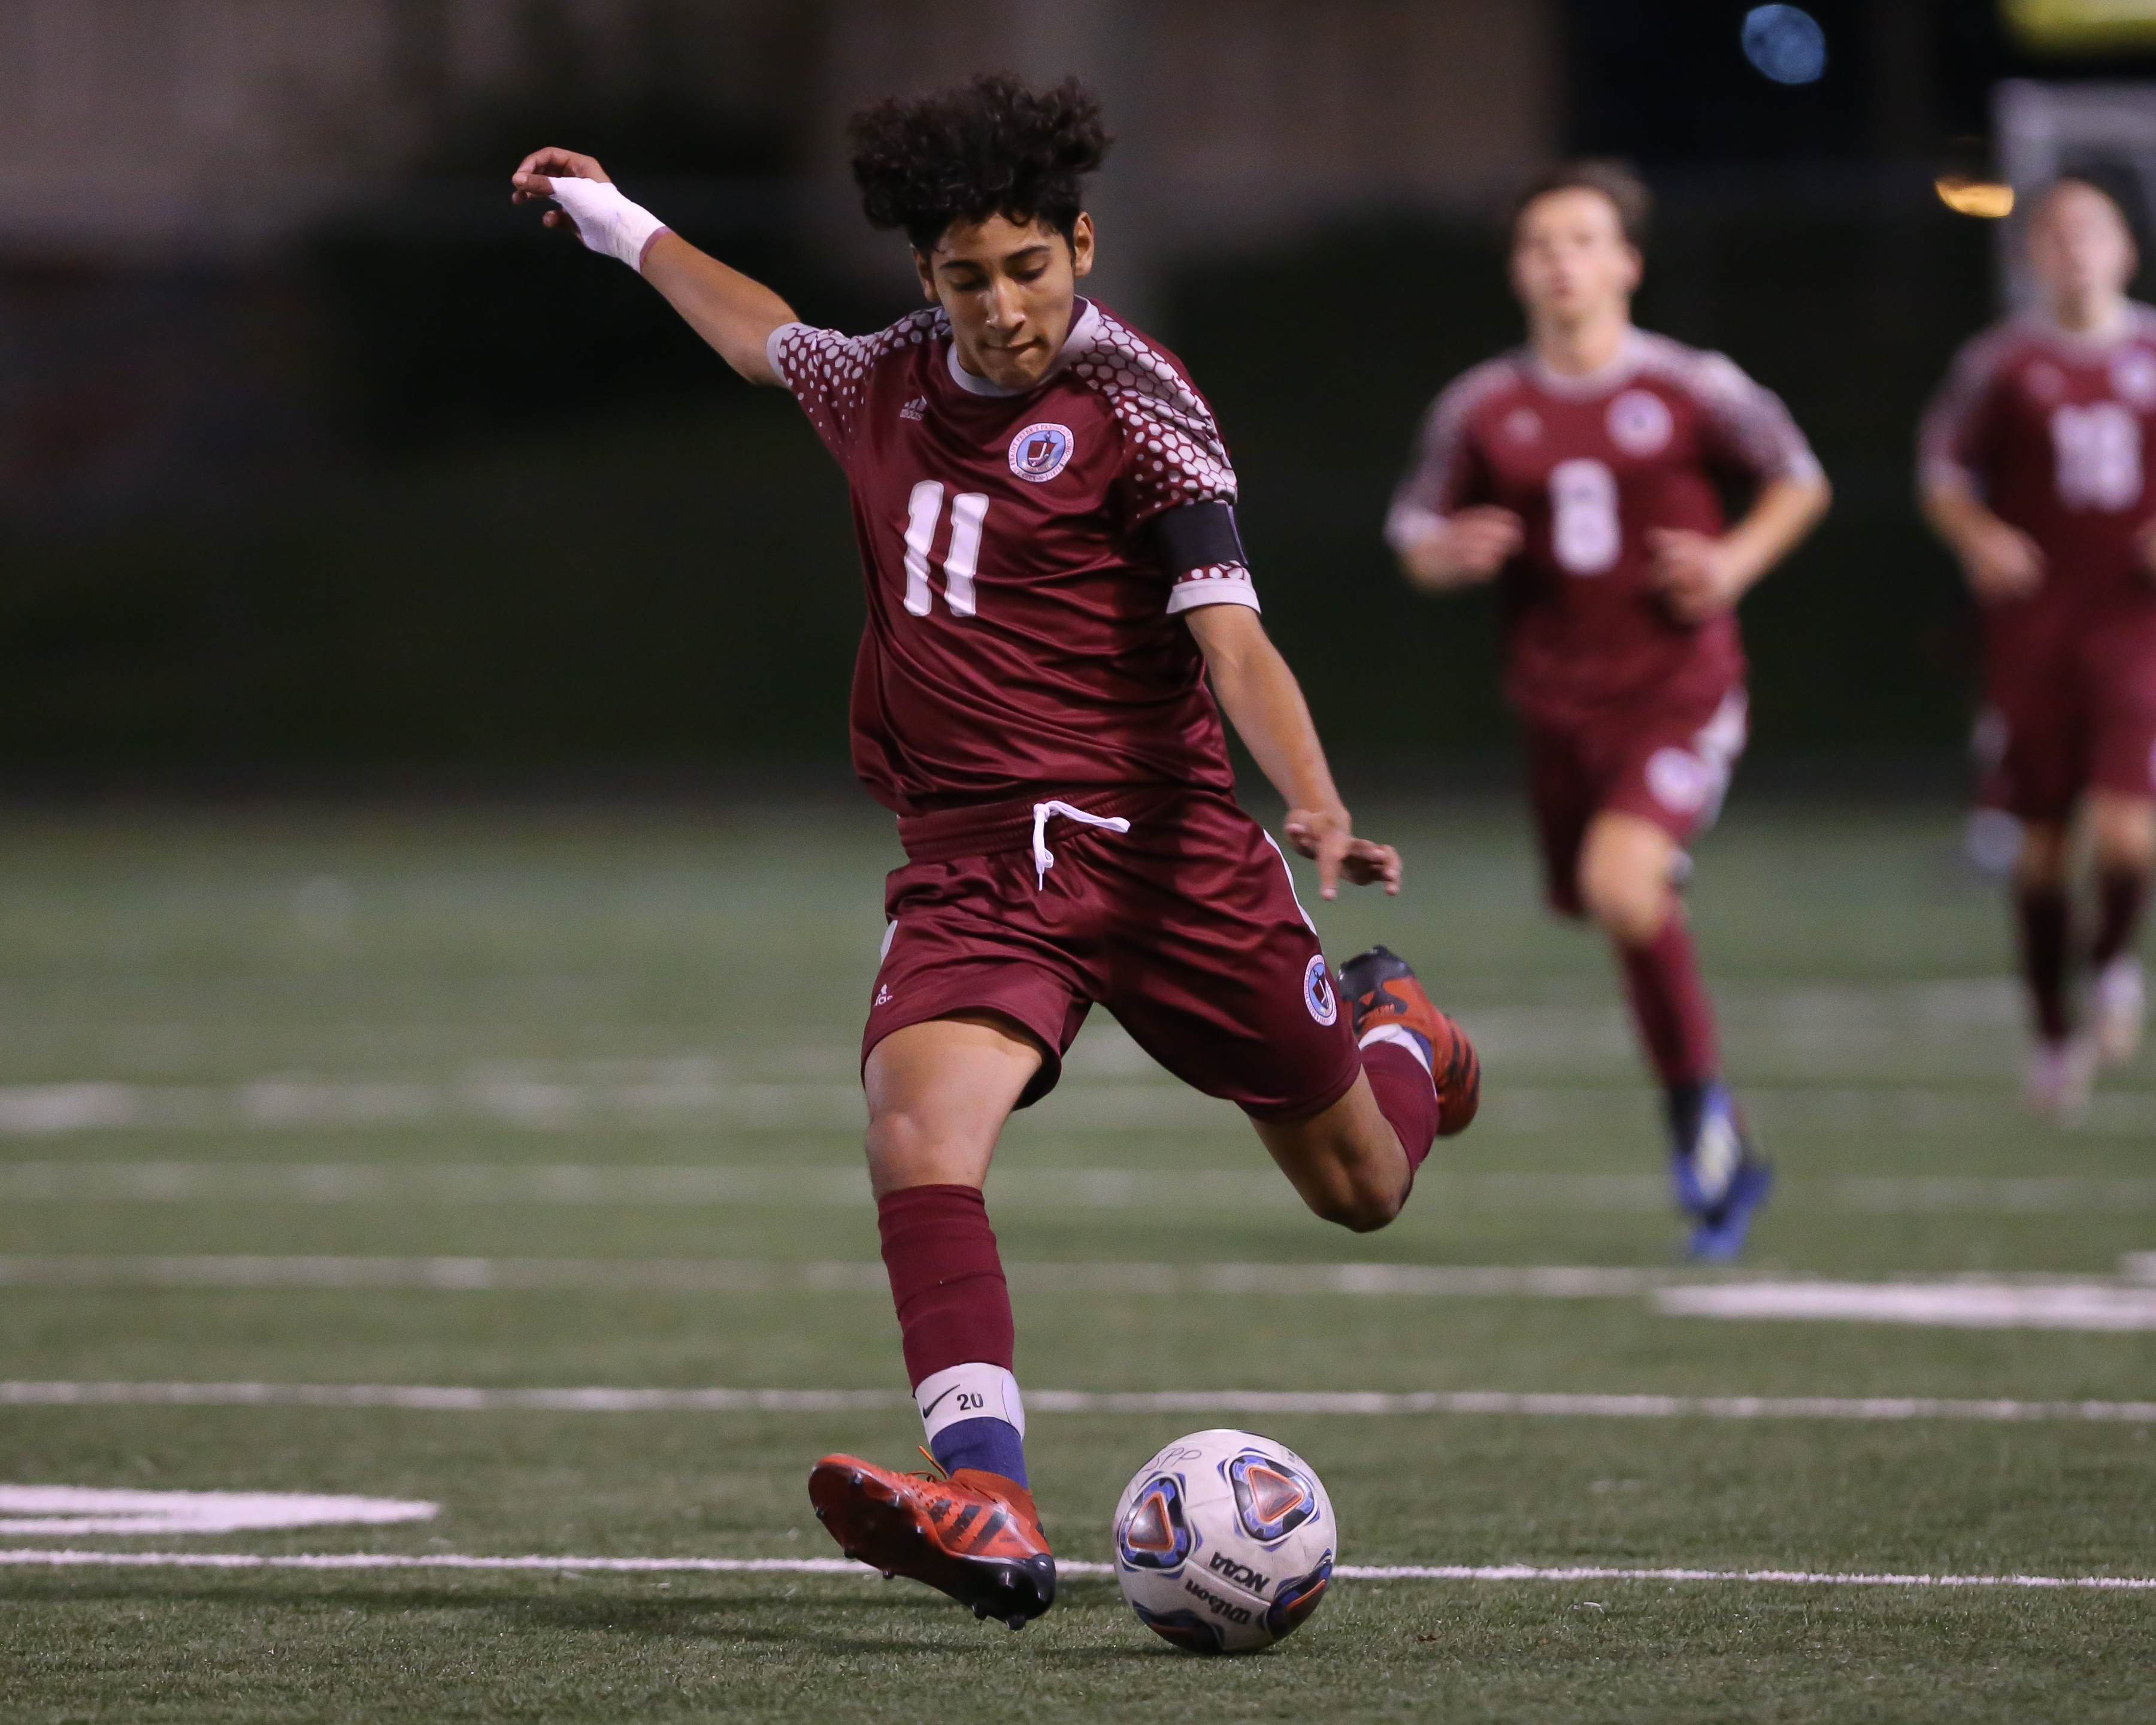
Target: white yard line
[(747, 1275), (839, 1566), (695, 1095), (1969, 1305), (475, 1399), (1968, 1302), (79, 1509), (676, 1185)]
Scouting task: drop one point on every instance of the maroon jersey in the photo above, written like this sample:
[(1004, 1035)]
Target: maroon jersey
[(1022, 626), (2053, 431), (1591, 466)]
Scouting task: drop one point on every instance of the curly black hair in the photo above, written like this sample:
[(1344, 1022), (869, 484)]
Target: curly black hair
[(994, 147)]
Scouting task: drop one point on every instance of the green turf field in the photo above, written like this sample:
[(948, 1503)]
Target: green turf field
[(536, 1101)]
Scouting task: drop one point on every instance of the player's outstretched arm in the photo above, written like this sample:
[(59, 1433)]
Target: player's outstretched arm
[(1702, 575), (733, 313), (2000, 561), (1265, 704)]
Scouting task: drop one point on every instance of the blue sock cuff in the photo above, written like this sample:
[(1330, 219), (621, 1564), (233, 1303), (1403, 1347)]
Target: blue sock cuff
[(991, 1446)]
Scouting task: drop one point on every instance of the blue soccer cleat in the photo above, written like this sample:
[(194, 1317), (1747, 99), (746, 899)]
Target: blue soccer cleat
[(1715, 1173)]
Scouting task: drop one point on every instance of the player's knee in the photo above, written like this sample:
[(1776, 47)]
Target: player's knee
[(1630, 905), (906, 1148), (2041, 861), (1360, 1205), (2122, 833)]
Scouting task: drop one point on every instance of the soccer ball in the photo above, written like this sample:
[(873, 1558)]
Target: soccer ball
[(1224, 1541)]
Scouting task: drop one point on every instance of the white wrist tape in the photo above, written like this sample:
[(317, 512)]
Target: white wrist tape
[(978, 1391), (606, 221)]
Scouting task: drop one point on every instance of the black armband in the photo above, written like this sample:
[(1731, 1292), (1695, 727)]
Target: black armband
[(1196, 536)]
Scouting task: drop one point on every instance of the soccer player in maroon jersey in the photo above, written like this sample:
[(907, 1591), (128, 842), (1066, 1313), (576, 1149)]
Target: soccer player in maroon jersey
[(1581, 474), (2033, 461), (1044, 510)]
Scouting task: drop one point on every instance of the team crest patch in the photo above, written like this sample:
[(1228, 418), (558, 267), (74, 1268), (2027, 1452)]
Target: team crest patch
[(1638, 423), (1317, 992), (2133, 375), (1041, 451)]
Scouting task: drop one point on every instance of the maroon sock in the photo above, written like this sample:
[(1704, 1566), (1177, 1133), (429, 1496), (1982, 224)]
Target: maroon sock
[(2120, 894), (2045, 920), (1406, 1097), (946, 1279), (1670, 1006)]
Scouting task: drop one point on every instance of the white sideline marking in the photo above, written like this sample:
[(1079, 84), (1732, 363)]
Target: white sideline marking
[(1961, 1304), (605, 1399), (841, 1566), (748, 1275), (674, 1095), (788, 1185), (1969, 1302), (1980, 1302), (82, 1509)]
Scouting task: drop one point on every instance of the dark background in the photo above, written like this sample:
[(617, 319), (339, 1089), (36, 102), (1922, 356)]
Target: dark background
[(456, 498)]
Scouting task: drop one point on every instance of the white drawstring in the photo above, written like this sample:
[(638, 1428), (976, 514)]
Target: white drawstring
[(1044, 858)]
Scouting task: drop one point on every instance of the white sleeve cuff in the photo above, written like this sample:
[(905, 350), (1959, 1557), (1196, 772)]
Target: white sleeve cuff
[(1408, 525), (1943, 472), (1216, 585), (774, 344), (1803, 469)]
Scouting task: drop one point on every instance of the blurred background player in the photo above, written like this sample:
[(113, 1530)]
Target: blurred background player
[(2034, 471), (1582, 471), (1045, 513)]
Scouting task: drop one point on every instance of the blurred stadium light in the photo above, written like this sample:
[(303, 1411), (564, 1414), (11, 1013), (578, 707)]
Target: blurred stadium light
[(1786, 43), (2081, 26)]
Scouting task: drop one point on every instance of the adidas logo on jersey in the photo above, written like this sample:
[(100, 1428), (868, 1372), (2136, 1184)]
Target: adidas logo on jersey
[(917, 409)]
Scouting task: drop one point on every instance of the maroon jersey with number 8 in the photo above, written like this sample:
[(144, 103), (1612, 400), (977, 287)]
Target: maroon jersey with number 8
[(1591, 466), (1023, 631)]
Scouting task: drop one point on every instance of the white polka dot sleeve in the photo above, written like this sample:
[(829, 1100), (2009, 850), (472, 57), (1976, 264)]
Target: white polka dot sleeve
[(1173, 453), (828, 371)]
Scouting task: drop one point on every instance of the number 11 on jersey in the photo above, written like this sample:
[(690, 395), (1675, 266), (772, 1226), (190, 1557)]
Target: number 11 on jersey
[(962, 560)]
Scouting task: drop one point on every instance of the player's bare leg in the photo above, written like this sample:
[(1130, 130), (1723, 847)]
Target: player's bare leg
[(938, 1095), (1347, 1163), (2061, 1065), (2122, 835), (1627, 874), (1354, 1161)]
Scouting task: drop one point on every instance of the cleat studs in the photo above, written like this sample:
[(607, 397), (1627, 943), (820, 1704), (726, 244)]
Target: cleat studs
[(890, 1575), (822, 1515), (1016, 1620), (980, 1611)]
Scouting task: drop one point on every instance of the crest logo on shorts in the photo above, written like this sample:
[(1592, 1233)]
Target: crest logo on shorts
[(1041, 451), (1317, 992), (1682, 783), (1638, 423)]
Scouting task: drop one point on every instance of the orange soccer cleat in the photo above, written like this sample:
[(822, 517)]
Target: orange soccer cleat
[(1382, 989), (975, 1536)]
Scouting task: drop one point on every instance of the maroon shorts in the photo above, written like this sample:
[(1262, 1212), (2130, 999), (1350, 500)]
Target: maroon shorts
[(2066, 716), (1669, 763), (1186, 927)]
